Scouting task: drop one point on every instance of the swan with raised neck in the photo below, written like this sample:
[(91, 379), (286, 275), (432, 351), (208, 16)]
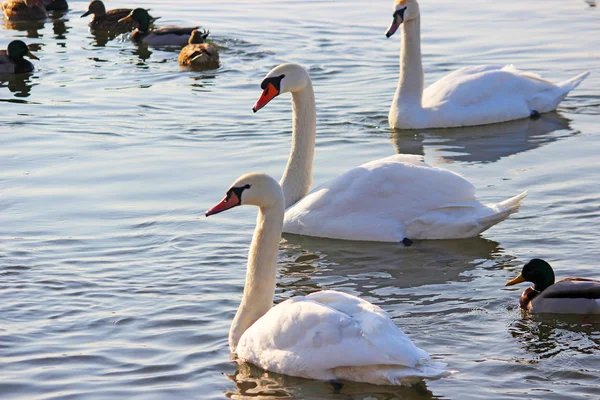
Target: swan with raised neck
[(325, 335), (262, 191), (476, 95), (393, 199), (297, 177)]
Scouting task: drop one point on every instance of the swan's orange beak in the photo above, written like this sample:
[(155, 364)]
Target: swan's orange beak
[(229, 201), (267, 95)]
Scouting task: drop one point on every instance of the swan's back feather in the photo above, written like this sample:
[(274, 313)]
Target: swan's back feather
[(485, 94), (390, 199), (310, 336)]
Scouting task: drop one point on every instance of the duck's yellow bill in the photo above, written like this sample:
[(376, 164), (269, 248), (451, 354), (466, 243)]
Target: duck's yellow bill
[(30, 55), (128, 18), (518, 279)]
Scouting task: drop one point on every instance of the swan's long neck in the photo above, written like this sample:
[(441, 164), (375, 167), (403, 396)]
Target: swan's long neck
[(410, 84), (297, 177), (261, 272)]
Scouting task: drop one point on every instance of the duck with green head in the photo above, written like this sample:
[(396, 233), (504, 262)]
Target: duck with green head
[(24, 10), (198, 54), (109, 20), (12, 61), (567, 296), (165, 36)]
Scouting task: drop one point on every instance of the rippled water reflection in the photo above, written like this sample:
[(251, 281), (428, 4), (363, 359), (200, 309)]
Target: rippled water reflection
[(113, 284)]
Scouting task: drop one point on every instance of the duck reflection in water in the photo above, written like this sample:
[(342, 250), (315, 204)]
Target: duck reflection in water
[(252, 381), (19, 84), (30, 27), (485, 143)]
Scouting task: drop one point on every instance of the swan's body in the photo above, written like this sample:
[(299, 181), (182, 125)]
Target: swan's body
[(325, 335), (468, 96), (395, 198), (386, 200)]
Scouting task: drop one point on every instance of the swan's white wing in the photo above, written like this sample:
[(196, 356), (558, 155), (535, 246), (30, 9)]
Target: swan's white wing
[(310, 336), (488, 94), (379, 199), (470, 86)]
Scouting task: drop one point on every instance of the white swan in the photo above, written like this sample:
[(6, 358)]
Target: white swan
[(325, 335), (477, 95), (386, 200)]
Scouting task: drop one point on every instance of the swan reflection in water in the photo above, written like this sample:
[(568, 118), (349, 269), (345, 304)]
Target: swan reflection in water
[(309, 263), (484, 143), (252, 381)]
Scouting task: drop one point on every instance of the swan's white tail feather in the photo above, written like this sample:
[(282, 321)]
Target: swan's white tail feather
[(393, 374), (572, 83), (503, 210)]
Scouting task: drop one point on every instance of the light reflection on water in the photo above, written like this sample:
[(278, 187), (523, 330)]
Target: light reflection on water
[(114, 285)]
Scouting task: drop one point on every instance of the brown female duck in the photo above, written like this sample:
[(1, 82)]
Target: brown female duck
[(109, 20), (199, 54), (567, 296), (24, 10)]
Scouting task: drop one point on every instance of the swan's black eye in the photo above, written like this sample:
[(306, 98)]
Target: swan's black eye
[(247, 186)]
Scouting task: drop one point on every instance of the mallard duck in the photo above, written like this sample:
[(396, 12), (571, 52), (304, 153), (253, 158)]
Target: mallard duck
[(24, 10), (12, 61), (198, 54), (165, 36), (57, 5), (567, 296), (109, 20)]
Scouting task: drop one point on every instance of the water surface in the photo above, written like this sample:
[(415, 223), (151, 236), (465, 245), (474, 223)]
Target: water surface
[(113, 284)]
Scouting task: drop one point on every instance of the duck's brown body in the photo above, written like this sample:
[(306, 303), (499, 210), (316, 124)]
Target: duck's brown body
[(110, 21), (24, 10), (198, 54)]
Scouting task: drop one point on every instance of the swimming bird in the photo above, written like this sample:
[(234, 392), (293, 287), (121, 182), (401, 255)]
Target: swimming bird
[(164, 36), (199, 54), (325, 335), (109, 20), (12, 61), (476, 95), (394, 199), (24, 10), (567, 296)]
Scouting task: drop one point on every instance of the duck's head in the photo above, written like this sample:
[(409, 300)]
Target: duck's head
[(140, 16), (404, 10), (17, 49), (198, 37), (536, 271), (95, 7), (256, 188), (281, 79)]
